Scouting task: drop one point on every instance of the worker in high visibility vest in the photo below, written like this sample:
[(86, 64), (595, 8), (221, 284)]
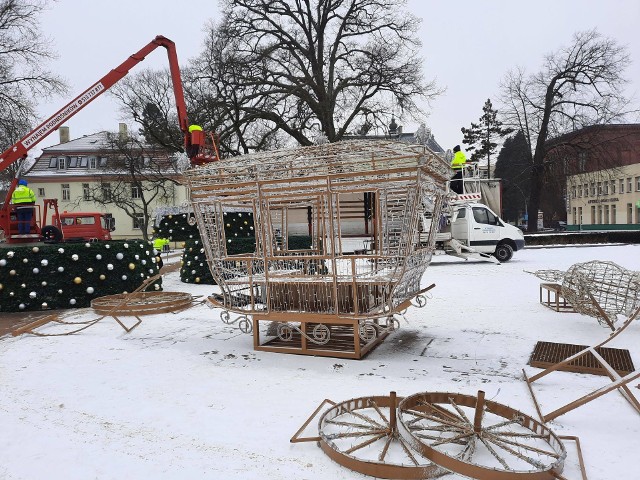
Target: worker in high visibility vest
[(159, 245), (458, 163), (23, 197), (196, 138)]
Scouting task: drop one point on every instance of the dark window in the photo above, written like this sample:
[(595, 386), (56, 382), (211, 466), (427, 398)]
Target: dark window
[(83, 162), (462, 213), (482, 215), (53, 162)]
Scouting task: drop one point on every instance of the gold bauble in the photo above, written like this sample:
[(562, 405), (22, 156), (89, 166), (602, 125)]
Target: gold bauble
[(77, 280)]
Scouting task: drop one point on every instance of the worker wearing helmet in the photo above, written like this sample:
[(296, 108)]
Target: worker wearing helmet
[(23, 197), (458, 163)]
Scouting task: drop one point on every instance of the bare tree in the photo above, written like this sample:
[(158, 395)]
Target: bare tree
[(135, 179), (578, 85), (24, 53), (294, 65)]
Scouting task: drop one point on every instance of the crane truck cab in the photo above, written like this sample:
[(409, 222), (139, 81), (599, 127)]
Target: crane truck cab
[(476, 226), (84, 226)]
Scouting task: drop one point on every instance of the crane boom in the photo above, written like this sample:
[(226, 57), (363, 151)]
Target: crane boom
[(19, 149)]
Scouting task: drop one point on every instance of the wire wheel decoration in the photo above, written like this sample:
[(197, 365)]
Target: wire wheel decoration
[(142, 303), (320, 334), (479, 438), (362, 434), (367, 331)]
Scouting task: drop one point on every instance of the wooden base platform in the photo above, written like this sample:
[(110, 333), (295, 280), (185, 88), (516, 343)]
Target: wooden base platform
[(547, 354), (298, 336), (555, 300)]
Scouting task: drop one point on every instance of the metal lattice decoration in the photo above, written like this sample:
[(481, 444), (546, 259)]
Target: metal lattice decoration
[(341, 295), (599, 289)]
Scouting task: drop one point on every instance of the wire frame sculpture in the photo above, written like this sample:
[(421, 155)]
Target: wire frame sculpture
[(599, 289), (331, 295)]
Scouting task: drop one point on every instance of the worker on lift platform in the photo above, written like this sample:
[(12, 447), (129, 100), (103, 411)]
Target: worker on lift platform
[(196, 139), (23, 197)]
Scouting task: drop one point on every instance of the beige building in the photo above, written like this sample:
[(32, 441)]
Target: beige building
[(605, 199), (74, 170)]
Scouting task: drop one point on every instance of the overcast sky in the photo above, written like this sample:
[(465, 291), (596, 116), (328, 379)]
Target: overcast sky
[(468, 46)]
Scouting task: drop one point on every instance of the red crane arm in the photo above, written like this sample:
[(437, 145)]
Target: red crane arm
[(20, 148)]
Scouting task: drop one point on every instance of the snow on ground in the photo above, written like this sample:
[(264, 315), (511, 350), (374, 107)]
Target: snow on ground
[(184, 396)]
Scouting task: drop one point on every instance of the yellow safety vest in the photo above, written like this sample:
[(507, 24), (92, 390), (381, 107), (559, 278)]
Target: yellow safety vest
[(459, 160), (158, 243), (23, 194)]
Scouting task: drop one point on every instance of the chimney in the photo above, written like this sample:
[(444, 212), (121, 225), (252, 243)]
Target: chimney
[(64, 134), (122, 131)]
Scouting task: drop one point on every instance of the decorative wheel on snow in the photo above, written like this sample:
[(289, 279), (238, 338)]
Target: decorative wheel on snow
[(362, 434), (480, 439), (142, 303)]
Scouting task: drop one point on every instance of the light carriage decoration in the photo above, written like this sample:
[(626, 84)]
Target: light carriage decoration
[(367, 208)]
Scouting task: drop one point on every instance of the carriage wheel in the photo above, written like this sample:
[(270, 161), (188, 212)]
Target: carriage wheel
[(361, 434), (480, 439)]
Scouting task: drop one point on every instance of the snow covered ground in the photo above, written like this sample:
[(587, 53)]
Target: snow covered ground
[(184, 396)]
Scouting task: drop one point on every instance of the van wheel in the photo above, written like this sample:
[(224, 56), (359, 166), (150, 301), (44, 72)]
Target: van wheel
[(51, 234), (503, 252)]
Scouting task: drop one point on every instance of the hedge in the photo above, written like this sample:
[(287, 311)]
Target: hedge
[(70, 275), (588, 237)]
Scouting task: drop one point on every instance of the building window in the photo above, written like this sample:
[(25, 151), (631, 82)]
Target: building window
[(629, 185), (582, 161), (586, 190), (629, 213), (86, 192), (574, 193), (613, 214), (66, 192), (580, 215), (136, 191), (92, 162), (621, 186), (53, 162), (138, 220), (593, 189), (106, 191), (61, 163), (599, 214), (613, 187), (82, 162), (593, 215), (41, 192), (575, 219), (605, 188), (73, 162), (579, 190), (599, 188), (103, 162), (606, 215), (637, 184)]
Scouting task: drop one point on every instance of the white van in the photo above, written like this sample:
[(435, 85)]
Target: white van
[(476, 226)]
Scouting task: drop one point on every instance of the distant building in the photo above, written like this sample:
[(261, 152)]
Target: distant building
[(422, 136), (73, 169), (603, 180)]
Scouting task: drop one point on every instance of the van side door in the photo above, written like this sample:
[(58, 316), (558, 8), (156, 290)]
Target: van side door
[(485, 230)]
